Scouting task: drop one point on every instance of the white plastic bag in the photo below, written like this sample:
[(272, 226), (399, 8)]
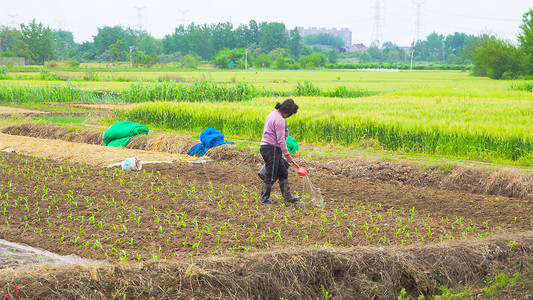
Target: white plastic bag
[(132, 164)]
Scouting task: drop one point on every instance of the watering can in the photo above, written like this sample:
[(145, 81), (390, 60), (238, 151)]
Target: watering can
[(301, 170)]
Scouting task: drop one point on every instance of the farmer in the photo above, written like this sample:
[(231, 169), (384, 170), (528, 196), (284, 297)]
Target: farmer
[(273, 148)]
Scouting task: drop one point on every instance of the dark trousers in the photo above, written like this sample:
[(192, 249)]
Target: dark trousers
[(276, 166)]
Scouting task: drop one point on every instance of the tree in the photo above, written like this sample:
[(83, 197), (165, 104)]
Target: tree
[(332, 56), (432, 48), (39, 42), (393, 54), (279, 52), (86, 51), (313, 60), (497, 58), (107, 36), (526, 38), (263, 60), (375, 53), (457, 46), (140, 58), (63, 42), (281, 63), (273, 35), (190, 61), (223, 36), (224, 58), (12, 43), (200, 41), (324, 39), (148, 44), (253, 33), (295, 43), (364, 58), (117, 53)]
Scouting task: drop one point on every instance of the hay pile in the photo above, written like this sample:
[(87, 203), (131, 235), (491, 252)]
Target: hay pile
[(56, 132), (498, 181), (349, 273), (169, 143), (95, 155)]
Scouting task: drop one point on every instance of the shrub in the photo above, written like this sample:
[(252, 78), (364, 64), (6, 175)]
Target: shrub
[(51, 64), (90, 75), (3, 72), (525, 86), (73, 63)]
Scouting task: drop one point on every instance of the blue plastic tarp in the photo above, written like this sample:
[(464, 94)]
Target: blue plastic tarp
[(209, 138)]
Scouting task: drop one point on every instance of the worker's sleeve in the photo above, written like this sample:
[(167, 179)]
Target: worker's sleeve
[(281, 136)]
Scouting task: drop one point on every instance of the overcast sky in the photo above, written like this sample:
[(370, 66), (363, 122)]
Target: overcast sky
[(396, 19)]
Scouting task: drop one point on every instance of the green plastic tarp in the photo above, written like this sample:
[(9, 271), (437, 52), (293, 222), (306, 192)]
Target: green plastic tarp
[(292, 144), (119, 134)]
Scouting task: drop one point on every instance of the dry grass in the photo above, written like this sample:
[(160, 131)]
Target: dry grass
[(508, 182), (54, 131), (95, 155), (347, 273), (462, 178), (505, 182), (4, 110), (166, 143)]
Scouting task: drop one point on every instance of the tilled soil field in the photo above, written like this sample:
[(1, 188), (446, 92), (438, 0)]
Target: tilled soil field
[(184, 212)]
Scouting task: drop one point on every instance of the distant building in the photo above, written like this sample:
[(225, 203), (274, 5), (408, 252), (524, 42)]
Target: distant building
[(358, 47), (344, 33), (353, 48)]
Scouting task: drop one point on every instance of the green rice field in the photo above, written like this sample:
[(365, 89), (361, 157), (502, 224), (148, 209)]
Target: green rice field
[(446, 113)]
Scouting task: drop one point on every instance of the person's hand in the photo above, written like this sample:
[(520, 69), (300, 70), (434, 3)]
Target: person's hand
[(288, 157)]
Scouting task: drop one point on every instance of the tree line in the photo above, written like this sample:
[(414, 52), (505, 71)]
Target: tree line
[(266, 45)]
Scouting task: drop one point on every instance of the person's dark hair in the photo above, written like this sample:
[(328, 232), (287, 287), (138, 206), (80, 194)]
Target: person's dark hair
[(288, 106)]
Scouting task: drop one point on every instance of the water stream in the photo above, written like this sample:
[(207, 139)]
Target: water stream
[(311, 195)]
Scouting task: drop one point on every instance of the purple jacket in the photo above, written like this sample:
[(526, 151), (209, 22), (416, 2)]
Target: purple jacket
[(276, 132)]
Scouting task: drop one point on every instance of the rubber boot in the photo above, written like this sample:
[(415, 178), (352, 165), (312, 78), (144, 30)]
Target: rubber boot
[(266, 189), (285, 188)]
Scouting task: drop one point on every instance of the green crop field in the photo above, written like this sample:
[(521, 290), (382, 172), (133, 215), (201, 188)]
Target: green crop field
[(434, 112), (437, 160)]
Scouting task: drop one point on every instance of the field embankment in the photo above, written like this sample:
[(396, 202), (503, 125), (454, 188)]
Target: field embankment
[(354, 273)]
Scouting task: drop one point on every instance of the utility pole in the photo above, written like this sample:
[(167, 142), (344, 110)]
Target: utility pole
[(246, 59), (418, 29), (376, 33), (412, 55), (140, 17), (131, 57), (183, 19), (12, 19), (418, 25)]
